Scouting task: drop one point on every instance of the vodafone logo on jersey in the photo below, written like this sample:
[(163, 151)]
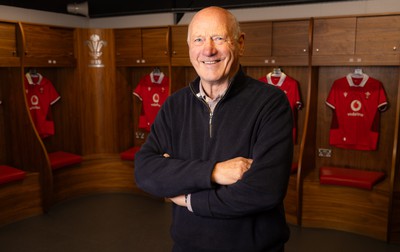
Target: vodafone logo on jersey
[(34, 102), (355, 106), (156, 100)]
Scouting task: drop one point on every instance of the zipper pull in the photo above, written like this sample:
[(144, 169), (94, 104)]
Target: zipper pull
[(210, 124)]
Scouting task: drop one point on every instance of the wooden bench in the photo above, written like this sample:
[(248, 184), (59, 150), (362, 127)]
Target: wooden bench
[(20, 194), (349, 177), (9, 174), (130, 153), (60, 159)]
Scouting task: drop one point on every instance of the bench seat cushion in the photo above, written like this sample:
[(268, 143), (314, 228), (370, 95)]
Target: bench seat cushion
[(61, 159), (9, 174), (130, 153), (349, 177)]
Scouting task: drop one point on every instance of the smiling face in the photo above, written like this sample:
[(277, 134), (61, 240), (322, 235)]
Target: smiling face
[(215, 44)]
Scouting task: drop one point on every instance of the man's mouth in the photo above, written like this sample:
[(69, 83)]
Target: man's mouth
[(210, 62)]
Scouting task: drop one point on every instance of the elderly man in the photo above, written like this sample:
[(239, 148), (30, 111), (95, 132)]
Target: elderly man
[(221, 148)]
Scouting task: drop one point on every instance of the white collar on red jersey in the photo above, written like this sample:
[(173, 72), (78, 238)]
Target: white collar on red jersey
[(29, 78), (160, 78), (282, 78), (350, 77)]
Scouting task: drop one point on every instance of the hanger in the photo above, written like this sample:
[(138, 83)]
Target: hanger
[(33, 72), (358, 73), (277, 72), (156, 71)]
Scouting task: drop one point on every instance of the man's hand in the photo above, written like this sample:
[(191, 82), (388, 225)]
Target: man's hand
[(230, 171), (179, 200)]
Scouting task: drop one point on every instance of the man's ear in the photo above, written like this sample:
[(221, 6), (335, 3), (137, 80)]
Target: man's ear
[(241, 44)]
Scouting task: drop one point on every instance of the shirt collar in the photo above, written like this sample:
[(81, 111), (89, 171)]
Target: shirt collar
[(364, 80), (159, 80), (29, 78), (282, 78), (202, 94)]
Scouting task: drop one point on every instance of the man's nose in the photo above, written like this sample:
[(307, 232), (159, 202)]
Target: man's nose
[(209, 47)]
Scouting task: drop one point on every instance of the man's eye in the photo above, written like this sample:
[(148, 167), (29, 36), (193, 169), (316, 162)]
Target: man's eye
[(198, 40), (218, 40)]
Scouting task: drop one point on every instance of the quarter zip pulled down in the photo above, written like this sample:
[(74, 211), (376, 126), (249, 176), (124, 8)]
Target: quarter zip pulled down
[(210, 103), (210, 112)]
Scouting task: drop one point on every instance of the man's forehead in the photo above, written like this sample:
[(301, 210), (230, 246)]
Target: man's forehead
[(208, 30), (208, 34)]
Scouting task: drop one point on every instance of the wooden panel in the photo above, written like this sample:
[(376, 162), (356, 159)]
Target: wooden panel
[(356, 60), (300, 74), (275, 61), (125, 116), (4, 136), (155, 44), (20, 200), (97, 95), (9, 55), (394, 210), (153, 61), (258, 38), (128, 45), (256, 61), (291, 201), (378, 35), (334, 36), (179, 46), (291, 60), (48, 45), (290, 38), (97, 174), (348, 209), (180, 62), (307, 150), (8, 43), (394, 230), (43, 61), (9, 61), (357, 41), (142, 46), (181, 77)]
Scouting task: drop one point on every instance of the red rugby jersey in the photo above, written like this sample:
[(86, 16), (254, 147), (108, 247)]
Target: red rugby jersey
[(356, 102), (41, 94), (152, 90), (291, 88)]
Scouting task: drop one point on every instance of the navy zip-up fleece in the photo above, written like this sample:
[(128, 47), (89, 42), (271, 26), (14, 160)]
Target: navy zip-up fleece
[(253, 120)]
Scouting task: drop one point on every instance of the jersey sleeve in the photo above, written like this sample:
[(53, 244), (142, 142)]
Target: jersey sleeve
[(382, 98), (138, 91), (296, 94), (330, 100), (53, 94)]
